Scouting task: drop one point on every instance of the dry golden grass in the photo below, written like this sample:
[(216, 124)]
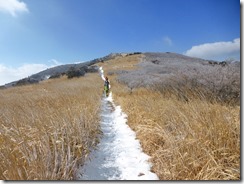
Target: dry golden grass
[(121, 63), (194, 140), (118, 64), (47, 129), (187, 141)]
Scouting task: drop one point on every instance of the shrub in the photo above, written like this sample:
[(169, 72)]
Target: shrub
[(54, 76), (73, 72), (26, 81), (221, 84)]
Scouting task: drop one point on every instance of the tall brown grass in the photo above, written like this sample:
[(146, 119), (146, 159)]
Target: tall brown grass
[(194, 140), (47, 129), (190, 130)]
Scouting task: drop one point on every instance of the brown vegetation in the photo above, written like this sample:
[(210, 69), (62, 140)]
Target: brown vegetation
[(47, 129), (189, 124), (191, 131), (197, 140)]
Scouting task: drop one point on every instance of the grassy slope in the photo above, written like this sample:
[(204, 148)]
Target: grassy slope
[(194, 140), (48, 128)]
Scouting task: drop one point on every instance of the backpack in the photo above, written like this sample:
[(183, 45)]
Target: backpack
[(106, 85)]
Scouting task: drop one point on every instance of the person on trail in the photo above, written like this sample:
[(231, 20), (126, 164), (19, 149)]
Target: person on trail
[(106, 85)]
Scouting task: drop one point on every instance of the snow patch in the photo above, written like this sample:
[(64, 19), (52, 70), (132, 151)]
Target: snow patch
[(101, 73), (119, 155), (47, 77)]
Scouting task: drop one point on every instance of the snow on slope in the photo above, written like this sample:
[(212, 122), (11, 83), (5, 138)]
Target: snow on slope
[(118, 155)]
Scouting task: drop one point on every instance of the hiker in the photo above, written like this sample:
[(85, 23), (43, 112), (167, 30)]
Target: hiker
[(106, 85)]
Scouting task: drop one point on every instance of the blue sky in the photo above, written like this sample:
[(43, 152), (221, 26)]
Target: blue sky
[(36, 34)]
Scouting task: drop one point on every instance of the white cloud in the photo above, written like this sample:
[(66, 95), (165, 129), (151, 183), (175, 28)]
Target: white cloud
[(167, 40), (13, 7), (216, 50), (10, 74)]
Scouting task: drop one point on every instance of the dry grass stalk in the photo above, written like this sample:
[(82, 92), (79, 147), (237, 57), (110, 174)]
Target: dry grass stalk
[(197, 140), (190, 132), (48, 129)]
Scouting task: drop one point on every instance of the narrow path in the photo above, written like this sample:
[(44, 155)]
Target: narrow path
[(118, 155)]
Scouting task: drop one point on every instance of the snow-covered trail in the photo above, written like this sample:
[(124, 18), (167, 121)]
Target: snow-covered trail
[(118, 155)]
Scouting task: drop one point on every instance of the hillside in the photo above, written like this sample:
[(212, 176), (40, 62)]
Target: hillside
[(155, 66), (54, 72), (173, 71), (185, 113)]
